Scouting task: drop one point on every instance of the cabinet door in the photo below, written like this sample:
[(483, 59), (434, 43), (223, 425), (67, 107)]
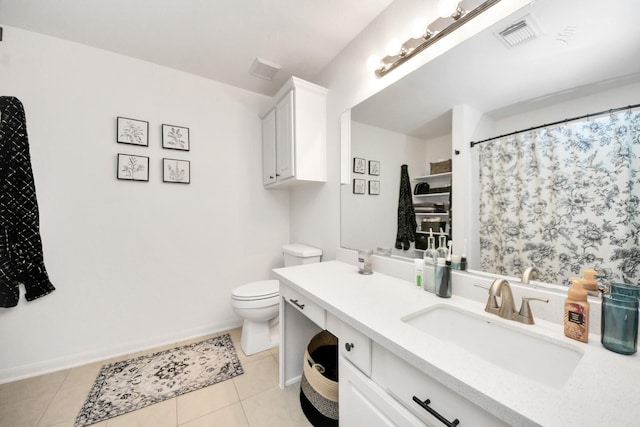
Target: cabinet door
[(285, 141), (363, 403), (269, 148)]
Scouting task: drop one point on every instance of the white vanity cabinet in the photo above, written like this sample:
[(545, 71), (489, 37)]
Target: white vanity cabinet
[(294, 136), (413, 389)]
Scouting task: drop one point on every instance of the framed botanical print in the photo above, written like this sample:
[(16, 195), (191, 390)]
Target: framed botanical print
[(175, 137), (132, 131)]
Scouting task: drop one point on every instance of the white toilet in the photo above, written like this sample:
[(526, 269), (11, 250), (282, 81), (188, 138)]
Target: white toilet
[(258, 302)]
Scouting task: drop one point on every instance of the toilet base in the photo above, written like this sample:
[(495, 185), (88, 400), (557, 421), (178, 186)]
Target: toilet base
[(259, 336)]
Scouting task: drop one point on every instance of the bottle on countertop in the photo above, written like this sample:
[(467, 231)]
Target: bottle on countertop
[(576, 311), (442, 245), (430, 257)]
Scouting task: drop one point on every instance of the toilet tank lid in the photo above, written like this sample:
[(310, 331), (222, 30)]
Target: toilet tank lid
[(300, 250)]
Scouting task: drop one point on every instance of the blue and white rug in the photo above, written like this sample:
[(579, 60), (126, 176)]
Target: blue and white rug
[(132, 384)]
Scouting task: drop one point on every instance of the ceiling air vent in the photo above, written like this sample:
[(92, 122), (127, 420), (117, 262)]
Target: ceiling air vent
[(519, 32), (264, 69)]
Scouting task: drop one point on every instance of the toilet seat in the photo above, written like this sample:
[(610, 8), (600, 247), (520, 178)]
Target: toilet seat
[(254, 291)]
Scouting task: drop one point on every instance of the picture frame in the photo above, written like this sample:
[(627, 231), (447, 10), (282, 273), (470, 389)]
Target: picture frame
[(359, 186), (374, 167), (359, 165), (132, 131), (175, 137), (131, 167), (176, 171), (374, 187)]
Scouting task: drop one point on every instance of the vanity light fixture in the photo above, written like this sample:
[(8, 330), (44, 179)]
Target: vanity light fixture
[(453, 14)]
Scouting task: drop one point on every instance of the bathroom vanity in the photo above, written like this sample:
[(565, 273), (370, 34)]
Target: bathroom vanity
[(409, 358)]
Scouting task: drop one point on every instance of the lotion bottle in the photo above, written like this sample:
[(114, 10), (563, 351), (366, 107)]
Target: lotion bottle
[(576, 311)]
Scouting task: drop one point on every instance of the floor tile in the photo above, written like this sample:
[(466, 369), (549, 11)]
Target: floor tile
[(161, 414), (43, 385), (204, 401), (259, 375), (230, 416), (65, 406), (276, 408), (83, 375), (24, 413)]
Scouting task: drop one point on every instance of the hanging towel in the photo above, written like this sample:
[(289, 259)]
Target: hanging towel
[(21, 259), (406, 215)]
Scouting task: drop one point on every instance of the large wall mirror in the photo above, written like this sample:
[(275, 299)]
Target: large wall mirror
[(585, 57)]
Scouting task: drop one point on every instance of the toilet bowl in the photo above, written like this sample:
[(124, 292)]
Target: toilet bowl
[(258, 303)]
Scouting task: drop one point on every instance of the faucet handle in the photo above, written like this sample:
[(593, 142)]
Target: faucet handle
[(525, 315)]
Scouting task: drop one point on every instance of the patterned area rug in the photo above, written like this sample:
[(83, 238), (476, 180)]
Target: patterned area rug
[(132, 384)]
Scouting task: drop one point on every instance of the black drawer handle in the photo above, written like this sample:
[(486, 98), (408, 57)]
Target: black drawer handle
[(296, 303), (348, 346), (425, 405)]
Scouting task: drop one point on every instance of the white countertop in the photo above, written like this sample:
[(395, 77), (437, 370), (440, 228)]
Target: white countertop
[(603, 390)]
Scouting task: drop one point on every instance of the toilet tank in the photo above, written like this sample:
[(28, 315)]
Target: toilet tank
[(298, 254)]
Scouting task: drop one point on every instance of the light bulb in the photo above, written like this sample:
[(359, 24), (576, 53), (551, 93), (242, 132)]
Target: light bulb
[(419, 28), (373, 62), (393, 47), (446, 8)]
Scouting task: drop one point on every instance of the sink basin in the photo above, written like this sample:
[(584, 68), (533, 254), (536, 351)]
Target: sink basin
[(524, 353)]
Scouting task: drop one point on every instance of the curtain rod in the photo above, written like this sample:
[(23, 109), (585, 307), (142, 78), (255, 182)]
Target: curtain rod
[(586, 116)]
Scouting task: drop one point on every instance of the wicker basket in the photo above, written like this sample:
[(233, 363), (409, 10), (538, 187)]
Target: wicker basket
[(318, 389), (440, 167)]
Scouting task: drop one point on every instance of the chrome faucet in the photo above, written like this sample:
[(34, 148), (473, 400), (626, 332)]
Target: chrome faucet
[(529, 273), (507, 308)]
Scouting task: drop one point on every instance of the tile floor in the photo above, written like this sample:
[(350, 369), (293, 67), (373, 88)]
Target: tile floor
[(249, 400)]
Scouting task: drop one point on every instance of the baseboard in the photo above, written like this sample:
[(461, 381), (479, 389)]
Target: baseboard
[(74, 360)]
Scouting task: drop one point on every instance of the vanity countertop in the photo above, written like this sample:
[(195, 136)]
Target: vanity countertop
[(602, 390)]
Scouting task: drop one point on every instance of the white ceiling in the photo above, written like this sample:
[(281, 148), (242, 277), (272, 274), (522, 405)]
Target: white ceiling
[(581, 42), (216, 39)]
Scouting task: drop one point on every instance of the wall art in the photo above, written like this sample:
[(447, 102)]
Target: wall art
[(133, 168), (374, 187), (359, 186), (132, 131), (359, 165), (174, 170), (175, 137), (374, 167)]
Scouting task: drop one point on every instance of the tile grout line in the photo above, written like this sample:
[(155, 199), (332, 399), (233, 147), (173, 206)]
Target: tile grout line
[(52, 398)]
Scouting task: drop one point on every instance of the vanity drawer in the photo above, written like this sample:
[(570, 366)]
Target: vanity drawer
[(311, 310), (355, 347), (403, 381)]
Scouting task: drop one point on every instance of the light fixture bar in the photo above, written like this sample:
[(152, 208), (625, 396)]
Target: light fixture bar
[(392, 62)]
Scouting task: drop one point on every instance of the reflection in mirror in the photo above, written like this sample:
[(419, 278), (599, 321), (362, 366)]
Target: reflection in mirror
[(567, 70)]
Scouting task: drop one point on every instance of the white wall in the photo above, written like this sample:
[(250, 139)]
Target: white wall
[(363, 229), (135, 264)]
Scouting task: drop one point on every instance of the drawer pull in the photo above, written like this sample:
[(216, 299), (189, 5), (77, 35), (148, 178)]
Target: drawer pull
[(296, 303), (348, 346), (425, 405)]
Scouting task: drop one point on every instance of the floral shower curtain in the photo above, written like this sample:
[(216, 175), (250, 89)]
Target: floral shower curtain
[(563, 198)]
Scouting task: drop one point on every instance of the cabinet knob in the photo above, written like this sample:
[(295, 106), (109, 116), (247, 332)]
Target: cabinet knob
[(348, 346)]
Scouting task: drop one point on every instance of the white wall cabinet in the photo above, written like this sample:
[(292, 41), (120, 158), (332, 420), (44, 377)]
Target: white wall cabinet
[(294, 148)]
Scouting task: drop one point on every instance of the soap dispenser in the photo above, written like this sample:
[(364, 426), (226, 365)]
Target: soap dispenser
[(442, 245), (576, 311), (430, 257), (590, 283)]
